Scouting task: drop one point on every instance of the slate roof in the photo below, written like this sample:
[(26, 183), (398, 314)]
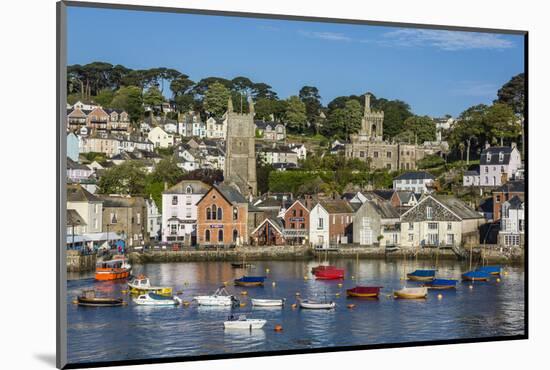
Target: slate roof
[(494, 153), (404, 196), (121, 201), (512, 187), (76, 193), (384, 209), (72, 165), (457, 206), (471, 173), (232, 194), (515, 202), (383, 194), (74, 218), (198, 187), (337, 206), (419, 175)]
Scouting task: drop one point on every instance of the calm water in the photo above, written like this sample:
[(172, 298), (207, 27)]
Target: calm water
[(137, 332)]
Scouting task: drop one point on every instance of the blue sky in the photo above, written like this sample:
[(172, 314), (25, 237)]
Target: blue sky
[(436, 72)]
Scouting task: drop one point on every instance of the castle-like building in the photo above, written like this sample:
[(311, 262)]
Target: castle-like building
[(369, 143), (240, 154)]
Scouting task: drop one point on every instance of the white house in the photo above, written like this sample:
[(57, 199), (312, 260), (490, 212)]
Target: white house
[(171, 128), (470, 178), (77, 172), (319, 226), (160, 138), (216, 128), (300, 150), (154, 219), (498, 164), (417, 182), (376, 222), (179, 211), (512, 222), (84, 106)]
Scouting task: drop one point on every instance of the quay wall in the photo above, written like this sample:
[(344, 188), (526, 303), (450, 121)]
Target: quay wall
[(77, 262)]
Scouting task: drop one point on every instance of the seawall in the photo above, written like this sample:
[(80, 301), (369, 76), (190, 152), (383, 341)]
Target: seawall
[(77, 262)]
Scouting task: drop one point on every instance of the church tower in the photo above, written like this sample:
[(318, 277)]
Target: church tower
[(372, 122), (240, 153)]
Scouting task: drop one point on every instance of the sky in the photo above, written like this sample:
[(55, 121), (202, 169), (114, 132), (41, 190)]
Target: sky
[(436, 72)]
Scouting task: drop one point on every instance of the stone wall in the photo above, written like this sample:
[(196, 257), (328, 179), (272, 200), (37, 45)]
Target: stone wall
[(77, 262)]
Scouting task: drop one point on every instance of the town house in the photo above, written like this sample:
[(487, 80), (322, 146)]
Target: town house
[(340, 220), (417, 182), (319, 226), (498, 164), (506, 192), (160, 138), (127, 217), (376, 222), (268, 232), (90, 211), (512, 222), (216, 128), (296, 221)]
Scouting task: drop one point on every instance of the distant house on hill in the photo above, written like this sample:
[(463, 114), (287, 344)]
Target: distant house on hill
[(417, 182)]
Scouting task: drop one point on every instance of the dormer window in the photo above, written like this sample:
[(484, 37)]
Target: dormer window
[(429, 213), (189, 189), (488, 157), (500, 157)]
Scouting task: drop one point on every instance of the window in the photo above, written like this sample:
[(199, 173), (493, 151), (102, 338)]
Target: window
[(207, 235), (235, 235), (220, 214), (388, 154), (292, 226), (139, 218), (500, 157), (214, 209), (432, 225), (235, 213), (175, 200), (362, 154), (188, 213), (208, 214), (188, 200), (521, 225), (293, 213), (333, 219), (429, 213), (220, 235), (174, 229), (388, 166), (497, 198), (486, 169), (375, 154), (502, 169), (488, 157), (411, 226), (449, 226), (301, 213), (320, 223), (450, 239), (411, 237)]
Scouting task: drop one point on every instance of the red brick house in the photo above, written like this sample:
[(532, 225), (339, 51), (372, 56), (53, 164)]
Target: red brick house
[(222, 217), (340, 220), (296, 221), (504, 193)]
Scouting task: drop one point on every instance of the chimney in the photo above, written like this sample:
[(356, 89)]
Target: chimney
[(513, 145), (487, 145), (165, 185)]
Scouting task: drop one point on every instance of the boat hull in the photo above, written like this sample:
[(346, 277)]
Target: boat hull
[(331, 274), (249, 283), (473, 278), (244, 324), (100, 302), (111, 274), (363, 292), (316, 269), (419, 278), (317, 305), (214, 301), (144, 301), (164, 291), (267, 302), (411, 293)]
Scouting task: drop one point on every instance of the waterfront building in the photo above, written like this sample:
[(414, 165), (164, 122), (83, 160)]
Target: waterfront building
[(268, 232), (279, 155), (512, 222), (222, 217), (77, 118), (154, 219), (506, 192), (319, 226), (340, 220), (296, 221), (160, 138), (417, 182), (240, 155), (404, 198), (126, 217), (100, 143), (440, 221), (179, 211), (376, 222)]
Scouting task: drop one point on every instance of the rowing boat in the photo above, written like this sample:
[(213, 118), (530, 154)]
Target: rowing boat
[(88, 298), (411, 293), (250, 281), (219, 298), (268, 302), (476, 275), (441, 284), (421, 275), (315, 305), (329, 274), (243, 323), (364, 291)]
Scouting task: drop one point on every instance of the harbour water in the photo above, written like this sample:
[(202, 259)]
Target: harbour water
[(487, 309)]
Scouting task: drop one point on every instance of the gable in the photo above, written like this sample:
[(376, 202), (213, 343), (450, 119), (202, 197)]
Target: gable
[(419, 212)]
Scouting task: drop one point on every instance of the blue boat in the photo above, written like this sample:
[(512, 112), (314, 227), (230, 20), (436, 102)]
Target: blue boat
[(441, 284), (250, 281), (476, 275), (422, 275), (492, 270)]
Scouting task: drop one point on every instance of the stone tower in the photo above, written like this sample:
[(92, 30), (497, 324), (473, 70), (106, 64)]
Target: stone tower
[(240, 153), (372, 122)]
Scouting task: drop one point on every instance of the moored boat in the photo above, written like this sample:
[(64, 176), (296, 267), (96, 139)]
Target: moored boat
[(89, 298), (142, 285), (242, 266), (114, 269), (421, 275), (219, 298), (476, 275), (268, 302), (492, 270), (152, 299), (411, 293), (242, 322), (321, 268), (364, 291), (330, 274), (250, 281), (441, 284), (316, 305)]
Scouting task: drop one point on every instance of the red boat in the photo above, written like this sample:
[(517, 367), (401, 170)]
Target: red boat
[(330, 274), (364, 291), (322, 268)]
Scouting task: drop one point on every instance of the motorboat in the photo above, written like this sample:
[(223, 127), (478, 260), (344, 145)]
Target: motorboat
[(152, 299), (89, 298), (411, 293), (268, 302), (117, 268), (250, 281), (364, 291), (242, 322), (421, 275), (219, 298), (142, 285), (316, 305)]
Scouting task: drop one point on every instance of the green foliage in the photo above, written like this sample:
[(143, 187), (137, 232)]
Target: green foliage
[(262, 177), (309, 95), (215, 99), (512, 93), (93, 156), (344, 121), (127, 178), (105, 97), (165, 152), (422, 128), (295, 114), (153, 97), (167, 171), (430, 161), (129, 99)]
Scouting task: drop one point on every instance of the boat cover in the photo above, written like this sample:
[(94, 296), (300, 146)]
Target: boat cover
[(443, 282), (490, 269), (252, 279), (476, 274), (423, 273)]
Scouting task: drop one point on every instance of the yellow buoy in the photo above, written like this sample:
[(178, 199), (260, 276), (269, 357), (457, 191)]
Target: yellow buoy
[(440, 296), (339, 285), (498, 280), (273, 284), (225, 283), (244, 292), (242, 304), (267, 270), (75, 301), (305, 277), (124, 291), (471, 286), (505, 272), (186, 303), (297, 293), (337, 294), (278, 327)]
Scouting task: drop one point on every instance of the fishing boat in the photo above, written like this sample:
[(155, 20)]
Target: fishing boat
[(117, 268), (250, 281), (411, 293), (219, 298), (441, 284), (421, 275), (330, 274), (242, 322), (152, 299), (364, 291), (315, 269), (268, 302), (316, 305), (242, 265), (476, 275), (89, 298), (492, 270), (142, 285)]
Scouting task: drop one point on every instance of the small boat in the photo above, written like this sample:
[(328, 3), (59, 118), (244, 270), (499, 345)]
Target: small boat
[(89, 298), (329, 274), (142, 285), (117, 268), (492, 270), (411, 293), (152, 299), (219, 298), (476, 275), (243, 323), (242, 266), (316, 305), (268, 302), (322, 268), (364, 291), (421, 275), (441, 284), (250, 281)]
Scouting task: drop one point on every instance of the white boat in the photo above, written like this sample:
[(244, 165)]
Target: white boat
[(411, 293), (152, 299), (317, 305), (243, 323), (219, 298), (142, 285), (268, 302)]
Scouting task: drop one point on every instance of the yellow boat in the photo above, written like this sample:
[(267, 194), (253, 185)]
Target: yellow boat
[(411, 293), (142, 285)]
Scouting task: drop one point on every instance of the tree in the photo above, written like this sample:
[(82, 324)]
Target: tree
[(501, 122), (421, 127), (167, 171), (153, 97), (180, 85), (263, 90), (395, 114), (295, 114), (470, 127), (184, 102), (129, 99), (309, 95), (344, 121), (127, 178), (513, 94), (215, 99), (105, 97)]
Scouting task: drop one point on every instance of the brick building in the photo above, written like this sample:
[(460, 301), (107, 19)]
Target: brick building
[(340, 220), (296, 221), (504, 193)]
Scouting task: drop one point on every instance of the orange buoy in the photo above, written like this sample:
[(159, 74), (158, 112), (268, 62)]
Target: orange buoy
[(294, 305), (278, 327), (244, 292), (351, 305), (242, 305)]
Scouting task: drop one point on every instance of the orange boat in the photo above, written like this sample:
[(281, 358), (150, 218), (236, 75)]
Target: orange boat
[(114, 269)]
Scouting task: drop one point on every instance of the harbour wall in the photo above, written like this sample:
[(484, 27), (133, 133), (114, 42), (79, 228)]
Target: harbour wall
[(77, 262)]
